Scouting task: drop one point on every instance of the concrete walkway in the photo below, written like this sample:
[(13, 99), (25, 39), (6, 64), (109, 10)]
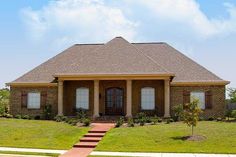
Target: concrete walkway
[(31, 150), (98, 153)]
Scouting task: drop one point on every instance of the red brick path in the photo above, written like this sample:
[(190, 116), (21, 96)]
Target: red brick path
[(89, 141)]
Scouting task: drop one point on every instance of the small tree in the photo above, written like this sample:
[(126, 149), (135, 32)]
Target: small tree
[(191, 113)]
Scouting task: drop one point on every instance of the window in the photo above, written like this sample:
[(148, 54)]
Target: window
[(201, 97), (148, 98), (33, 101), (82, 98)]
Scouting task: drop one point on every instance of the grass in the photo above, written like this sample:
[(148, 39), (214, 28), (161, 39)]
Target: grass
[(221, 138), (38, 134), (29, 153)]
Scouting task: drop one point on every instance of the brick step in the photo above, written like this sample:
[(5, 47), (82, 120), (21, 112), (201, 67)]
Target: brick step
[(98, 131), (86, 145), (94, 135), (90, 139)]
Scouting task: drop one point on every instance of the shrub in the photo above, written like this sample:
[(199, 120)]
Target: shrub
[(159, 120), (72, 121), (155, 120), (201, 119), (142, 118), (59, 118), (228, 114), (233, 114), (211, 118), (86, 121), (25, 117), (169, 120), (119, 122), (130, 122), (148, 120), (142, 121), (81, 114), (37, 117), (47, 112), (218, 119), (17, 116), (178, 112), (8, 116)]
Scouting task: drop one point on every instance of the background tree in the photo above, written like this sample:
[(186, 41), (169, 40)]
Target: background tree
[(4, 100), (191, 113), (232, 95)]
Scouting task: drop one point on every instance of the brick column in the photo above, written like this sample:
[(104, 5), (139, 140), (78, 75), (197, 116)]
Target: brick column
[(129, 98), (96, 98), (60, 98), (167, 98)]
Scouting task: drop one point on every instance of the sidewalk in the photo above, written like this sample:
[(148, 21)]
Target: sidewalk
[(126, 154)]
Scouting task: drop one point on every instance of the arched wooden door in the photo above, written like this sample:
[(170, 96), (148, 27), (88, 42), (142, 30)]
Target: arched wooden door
[(114, 101)]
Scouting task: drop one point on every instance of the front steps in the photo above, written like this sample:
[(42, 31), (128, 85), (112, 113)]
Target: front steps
[(91, 139)]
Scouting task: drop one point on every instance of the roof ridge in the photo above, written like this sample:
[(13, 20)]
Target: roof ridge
[(90, 44), (149, 42)]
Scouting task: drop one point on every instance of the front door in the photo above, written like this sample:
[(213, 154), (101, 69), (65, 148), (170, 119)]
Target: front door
[(114, 101)]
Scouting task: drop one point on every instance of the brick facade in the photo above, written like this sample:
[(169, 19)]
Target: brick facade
[(176, 97), (218, 98), (16, 102)]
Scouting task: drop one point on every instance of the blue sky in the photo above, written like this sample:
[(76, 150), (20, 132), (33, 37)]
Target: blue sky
[(33, 31)]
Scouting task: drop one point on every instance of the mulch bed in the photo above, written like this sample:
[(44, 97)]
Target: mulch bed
[(194, 138)]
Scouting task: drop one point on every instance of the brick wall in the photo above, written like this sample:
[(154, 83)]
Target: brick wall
[(218, 98), (15, 100)]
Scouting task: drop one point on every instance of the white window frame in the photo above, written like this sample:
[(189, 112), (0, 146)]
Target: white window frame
[(199, 95), (33, 100), (148, 98), (82, 98)]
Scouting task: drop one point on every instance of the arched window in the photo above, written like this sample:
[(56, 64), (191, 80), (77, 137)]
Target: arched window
[(147, 98), (82, 98)]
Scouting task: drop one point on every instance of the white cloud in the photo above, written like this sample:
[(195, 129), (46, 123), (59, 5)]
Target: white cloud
[(75, 20), (188, 13)]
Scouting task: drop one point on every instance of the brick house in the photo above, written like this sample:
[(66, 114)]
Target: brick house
[(117, 78)]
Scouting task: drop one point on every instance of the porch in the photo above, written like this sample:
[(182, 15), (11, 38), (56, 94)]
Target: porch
[(113, 97)]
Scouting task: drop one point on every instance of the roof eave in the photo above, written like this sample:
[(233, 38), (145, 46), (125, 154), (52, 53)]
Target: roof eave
[(201, 83), (31, 84)]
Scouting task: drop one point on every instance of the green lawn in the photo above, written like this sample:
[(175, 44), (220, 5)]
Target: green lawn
[(38, 134), (221, 138)]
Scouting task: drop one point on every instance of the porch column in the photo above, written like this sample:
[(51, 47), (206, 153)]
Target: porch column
[(60, 97), (129, 98), (167, 98), (96, 98)]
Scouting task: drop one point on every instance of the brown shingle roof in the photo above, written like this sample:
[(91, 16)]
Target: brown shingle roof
[(118, 56)]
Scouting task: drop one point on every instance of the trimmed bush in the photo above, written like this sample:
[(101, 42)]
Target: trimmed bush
[(8, 116), (59, 118), (159, 120), (233, 113), (86, 122), (119, 122), (218, 119), (130, 122), (47, 112), (72, 121), (25, 117), (211, 118), (17, 116), (37, 117)]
